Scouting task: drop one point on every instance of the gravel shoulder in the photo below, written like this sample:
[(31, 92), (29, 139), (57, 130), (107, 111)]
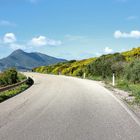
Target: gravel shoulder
[(124, 96)]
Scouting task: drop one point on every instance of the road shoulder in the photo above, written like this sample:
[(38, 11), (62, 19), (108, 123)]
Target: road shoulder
[(125, 97)]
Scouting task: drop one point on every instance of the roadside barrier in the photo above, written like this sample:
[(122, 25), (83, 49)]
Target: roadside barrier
[(12, 86)]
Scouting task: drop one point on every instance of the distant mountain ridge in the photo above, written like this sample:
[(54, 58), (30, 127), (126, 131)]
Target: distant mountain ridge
[(26, 61)]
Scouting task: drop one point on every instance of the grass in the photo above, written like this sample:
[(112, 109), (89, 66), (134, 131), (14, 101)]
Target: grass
[(123, 85), (134, 89), (96, 78), (136, 92), (10, 93)]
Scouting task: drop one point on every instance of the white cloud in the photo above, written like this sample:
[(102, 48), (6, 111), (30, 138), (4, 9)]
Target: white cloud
[(7, 23), (108, 50), (52, 42), (43, 40), (39, 41), (132, 34), (9, 38)]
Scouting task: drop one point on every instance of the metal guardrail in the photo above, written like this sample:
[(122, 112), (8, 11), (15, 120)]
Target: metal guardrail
[(12, 86)]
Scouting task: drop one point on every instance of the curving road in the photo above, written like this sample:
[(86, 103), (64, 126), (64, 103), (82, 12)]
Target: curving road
[(66, 108)]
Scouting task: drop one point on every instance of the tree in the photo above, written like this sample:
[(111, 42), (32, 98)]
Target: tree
[(105, 65), (132, 71), (11, 76)]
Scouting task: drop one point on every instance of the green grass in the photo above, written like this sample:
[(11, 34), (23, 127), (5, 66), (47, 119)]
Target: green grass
[(10, 93), (134, 89), (96, 78), (136, 92), (123, 85)]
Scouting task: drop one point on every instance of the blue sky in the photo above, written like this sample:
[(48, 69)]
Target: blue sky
[(70, 29)]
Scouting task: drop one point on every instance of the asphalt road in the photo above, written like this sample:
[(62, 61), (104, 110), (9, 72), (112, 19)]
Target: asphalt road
[(66, 108)]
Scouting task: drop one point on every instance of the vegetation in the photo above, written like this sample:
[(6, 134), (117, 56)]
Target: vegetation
[(125, 66), (105, 65), (133, 71), (10, 76), (72, 68), (132, 54), (10, 93)]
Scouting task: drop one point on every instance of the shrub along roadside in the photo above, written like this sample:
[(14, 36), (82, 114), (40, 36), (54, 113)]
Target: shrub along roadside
[(21, 77), (133, 89), (127, 74), (10, 76), (10, 93)]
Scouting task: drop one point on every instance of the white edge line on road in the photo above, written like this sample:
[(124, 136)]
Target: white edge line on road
[(134, 117), (125, 107)]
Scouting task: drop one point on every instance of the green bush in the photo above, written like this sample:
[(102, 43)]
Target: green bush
[(132, 71), (21, 77), (118, 68), (78, 72), (137, 97), (123, 84), (105, 65), (11, 76), (29, 81), (8, 77)]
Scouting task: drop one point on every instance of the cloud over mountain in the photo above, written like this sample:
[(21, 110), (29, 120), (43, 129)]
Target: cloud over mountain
[(43, 40)]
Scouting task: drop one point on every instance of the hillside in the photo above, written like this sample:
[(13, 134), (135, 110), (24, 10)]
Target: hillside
[(26, 61), (76, 68), (125, 66), (132, 54), (72, 67)]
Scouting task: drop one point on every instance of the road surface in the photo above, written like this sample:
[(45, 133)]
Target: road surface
[(66, 108)]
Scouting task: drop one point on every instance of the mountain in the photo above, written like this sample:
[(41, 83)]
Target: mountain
[(26, 61)]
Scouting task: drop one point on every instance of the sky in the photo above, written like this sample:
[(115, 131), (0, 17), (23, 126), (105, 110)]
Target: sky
[(69, 29)]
